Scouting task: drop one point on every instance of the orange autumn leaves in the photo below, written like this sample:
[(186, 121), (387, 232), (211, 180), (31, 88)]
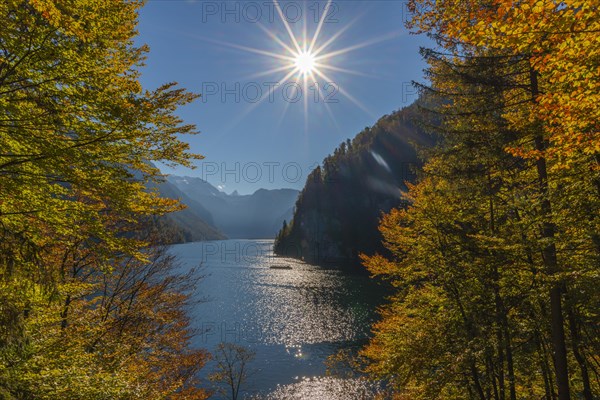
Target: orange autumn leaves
[(495, 260), (562, 42), (77, 138)]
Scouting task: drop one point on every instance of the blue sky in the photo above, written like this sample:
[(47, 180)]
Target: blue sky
[(257, 130)]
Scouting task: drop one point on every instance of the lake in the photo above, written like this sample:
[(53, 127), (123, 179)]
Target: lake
[(293, 319)]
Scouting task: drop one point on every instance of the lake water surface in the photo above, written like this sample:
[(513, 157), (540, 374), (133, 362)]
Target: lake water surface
[(293, 319)]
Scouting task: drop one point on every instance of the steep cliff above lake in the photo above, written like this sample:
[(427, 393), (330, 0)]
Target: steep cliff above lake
[(337, 212)]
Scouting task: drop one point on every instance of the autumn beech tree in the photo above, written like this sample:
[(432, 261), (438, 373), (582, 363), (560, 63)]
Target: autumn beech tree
[(78, 134), (561, 42), (76, 121), (118, 334), (496, 258)]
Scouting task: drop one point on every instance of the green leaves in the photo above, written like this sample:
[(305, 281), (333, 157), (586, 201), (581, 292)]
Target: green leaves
[(77, 137), (76, 120), (505, 213)]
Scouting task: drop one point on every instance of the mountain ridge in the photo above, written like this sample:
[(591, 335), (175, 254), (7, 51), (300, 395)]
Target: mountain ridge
[(193, 223), (249, 216), (337, 213)]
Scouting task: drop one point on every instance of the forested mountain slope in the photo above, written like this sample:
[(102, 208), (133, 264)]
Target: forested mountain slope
[(338, 211), (192, 224)]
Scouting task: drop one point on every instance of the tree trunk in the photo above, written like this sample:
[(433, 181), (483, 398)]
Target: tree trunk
[(509, 360), (476, 382), (502, 331), (64, 314), (551, 264), (543, 358), (576, 343)]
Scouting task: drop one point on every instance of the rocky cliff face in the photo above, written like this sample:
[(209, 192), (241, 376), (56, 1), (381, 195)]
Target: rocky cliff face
[(338, 211)]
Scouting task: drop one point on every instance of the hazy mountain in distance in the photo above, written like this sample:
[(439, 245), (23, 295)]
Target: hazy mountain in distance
[(167, 189), (192, 224), (255, 216)]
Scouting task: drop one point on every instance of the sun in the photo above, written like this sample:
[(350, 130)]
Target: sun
[(305, 62)]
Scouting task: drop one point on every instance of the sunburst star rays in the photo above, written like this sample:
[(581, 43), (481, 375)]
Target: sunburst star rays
[(304, 62)]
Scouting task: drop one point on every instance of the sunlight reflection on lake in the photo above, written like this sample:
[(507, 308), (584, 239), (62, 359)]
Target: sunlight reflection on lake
[(293, 316)]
